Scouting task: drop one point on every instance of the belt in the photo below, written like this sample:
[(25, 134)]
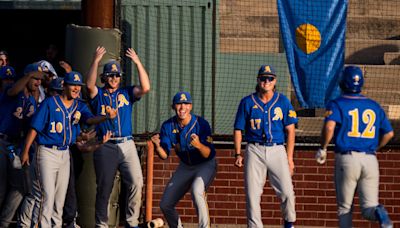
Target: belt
[(266, 143), (56, 147), (120, 140), (353, 151)]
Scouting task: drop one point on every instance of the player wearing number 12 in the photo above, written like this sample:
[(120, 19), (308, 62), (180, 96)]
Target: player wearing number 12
[(359, 127)]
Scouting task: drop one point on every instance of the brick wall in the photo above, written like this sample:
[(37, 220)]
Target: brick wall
[(313, 184)]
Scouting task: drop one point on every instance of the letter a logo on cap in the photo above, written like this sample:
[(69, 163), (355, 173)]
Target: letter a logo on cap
[(267, 69), (76, 78), (183, 97), (114, 68)]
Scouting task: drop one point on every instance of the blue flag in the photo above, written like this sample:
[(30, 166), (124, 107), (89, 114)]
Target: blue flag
[(313, 33)]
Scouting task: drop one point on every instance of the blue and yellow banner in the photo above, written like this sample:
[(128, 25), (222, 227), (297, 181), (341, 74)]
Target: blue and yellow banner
[(313, 33)]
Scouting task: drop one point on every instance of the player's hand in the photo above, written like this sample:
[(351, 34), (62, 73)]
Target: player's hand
[(25, 158), (156, 140), (65, 66), (107, 137), (291, 167), (99, 53), (239, 161), (132, 55), (111, 112), (195, 141), (86, 136), (320, 156)]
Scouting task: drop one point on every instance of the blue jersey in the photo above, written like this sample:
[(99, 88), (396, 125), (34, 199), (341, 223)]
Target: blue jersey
[(57, 125), (15, 114), (172, 134), (122, 100), (265, 123), (360, 122)]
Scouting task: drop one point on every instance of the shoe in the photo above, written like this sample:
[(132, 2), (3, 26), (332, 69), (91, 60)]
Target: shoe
[(383, 217), (288, 225)]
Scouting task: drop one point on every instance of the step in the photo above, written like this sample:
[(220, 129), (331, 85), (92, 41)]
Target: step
[(383, 97), (358, 27), (357, 51), (381, 77), (309, 126), (269, 7), (391, 58)]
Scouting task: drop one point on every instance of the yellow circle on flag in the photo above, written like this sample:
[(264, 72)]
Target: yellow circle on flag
[(308, 38)]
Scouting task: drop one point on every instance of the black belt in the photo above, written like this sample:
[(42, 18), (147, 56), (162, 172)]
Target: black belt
[(56, 147), (120, 140), (266, 143), (353, 151)]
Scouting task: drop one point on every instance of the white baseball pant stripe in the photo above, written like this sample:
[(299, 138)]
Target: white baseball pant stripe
[(262, 162)]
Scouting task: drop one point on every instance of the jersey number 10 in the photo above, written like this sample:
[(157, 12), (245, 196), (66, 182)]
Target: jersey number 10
[(368, 118)]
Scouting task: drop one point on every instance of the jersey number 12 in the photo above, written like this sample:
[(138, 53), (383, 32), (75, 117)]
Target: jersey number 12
[(368, 118)]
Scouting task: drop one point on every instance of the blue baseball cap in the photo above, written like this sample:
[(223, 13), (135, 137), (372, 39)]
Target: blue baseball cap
[(266, 70), (111, 68), (7, 72), (182, 98), (57, 84), (34, 68), (73, 78)]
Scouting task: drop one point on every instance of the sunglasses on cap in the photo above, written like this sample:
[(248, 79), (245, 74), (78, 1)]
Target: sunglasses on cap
[(266, 78), (110, 75)]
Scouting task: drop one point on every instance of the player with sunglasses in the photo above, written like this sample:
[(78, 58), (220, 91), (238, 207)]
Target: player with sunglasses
[(120, 151), (268, 120)]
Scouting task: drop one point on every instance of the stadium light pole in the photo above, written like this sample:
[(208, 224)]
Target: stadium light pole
[(98, 13)]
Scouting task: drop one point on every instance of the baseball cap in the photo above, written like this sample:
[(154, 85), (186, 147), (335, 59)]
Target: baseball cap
[(182, 97), (112, 67), (7, 72), (34, 68), (47, 67), (57, 84), (73, 78), (266, 70)]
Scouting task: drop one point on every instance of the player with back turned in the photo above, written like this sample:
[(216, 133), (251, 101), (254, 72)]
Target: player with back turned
[(360, 127), (268, 119), (120, 151)]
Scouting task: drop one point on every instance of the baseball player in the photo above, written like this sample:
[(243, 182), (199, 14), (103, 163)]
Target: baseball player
[(190, 136), (120, 151), (268, 119), (360, 128), (18, 104), (56, 126)]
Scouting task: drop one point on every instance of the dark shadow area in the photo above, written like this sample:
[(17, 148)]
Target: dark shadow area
[(371, 55), (25, 34)]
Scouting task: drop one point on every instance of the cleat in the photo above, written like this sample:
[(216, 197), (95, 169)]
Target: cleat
[(288, 225), (383, 217)]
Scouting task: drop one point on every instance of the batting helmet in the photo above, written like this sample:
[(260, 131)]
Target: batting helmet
[(352, 79)]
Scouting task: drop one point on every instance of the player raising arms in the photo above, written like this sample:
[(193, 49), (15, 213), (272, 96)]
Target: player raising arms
[(55, 126), (120, 151), (268, 119), (360, 128)]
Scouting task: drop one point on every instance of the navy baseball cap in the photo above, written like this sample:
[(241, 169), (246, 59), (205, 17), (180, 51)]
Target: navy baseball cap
[(182, 97), (34, 68), (73, 78), (112, 68), (57, 84), (7, 72), (266, 70)]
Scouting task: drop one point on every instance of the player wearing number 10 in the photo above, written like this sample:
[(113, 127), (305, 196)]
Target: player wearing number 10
[(360, 128)]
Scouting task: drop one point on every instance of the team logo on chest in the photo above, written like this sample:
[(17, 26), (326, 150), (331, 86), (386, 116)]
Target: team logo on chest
[(77, 117), (122, 101), (278, 114)]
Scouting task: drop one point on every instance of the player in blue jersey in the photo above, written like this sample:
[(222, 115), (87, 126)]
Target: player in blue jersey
[(55, 126), (190, 136), (268, 120), (120, 151), (359, 127), (19, 104)]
